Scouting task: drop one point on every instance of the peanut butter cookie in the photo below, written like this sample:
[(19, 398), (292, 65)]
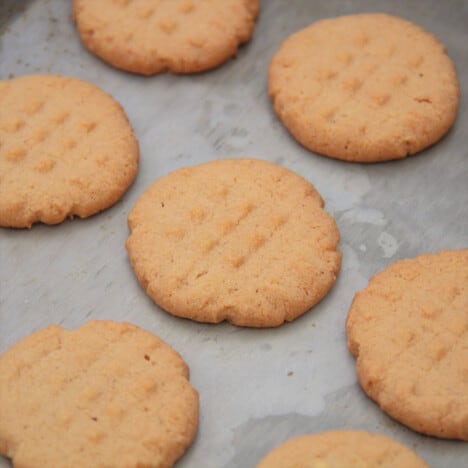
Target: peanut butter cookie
[(408, 330), (242, 240), (106, 394), (367, 87), (154, 36), (66, 149)]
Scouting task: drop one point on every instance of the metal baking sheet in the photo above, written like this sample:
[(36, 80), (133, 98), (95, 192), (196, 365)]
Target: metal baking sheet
[(257, 387)]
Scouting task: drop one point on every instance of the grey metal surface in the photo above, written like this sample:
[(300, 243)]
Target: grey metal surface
[(257, 387)]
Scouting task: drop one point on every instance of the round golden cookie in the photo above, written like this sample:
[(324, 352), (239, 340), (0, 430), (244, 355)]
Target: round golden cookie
[(343, 448), (153, 36), (368, 87), (241, 240), (408, 330), (66, 149), (106, 394)]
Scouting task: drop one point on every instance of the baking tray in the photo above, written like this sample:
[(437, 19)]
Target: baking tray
[(257, 387)]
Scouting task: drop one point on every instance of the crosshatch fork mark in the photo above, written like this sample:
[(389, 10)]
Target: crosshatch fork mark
[(236, 261)]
